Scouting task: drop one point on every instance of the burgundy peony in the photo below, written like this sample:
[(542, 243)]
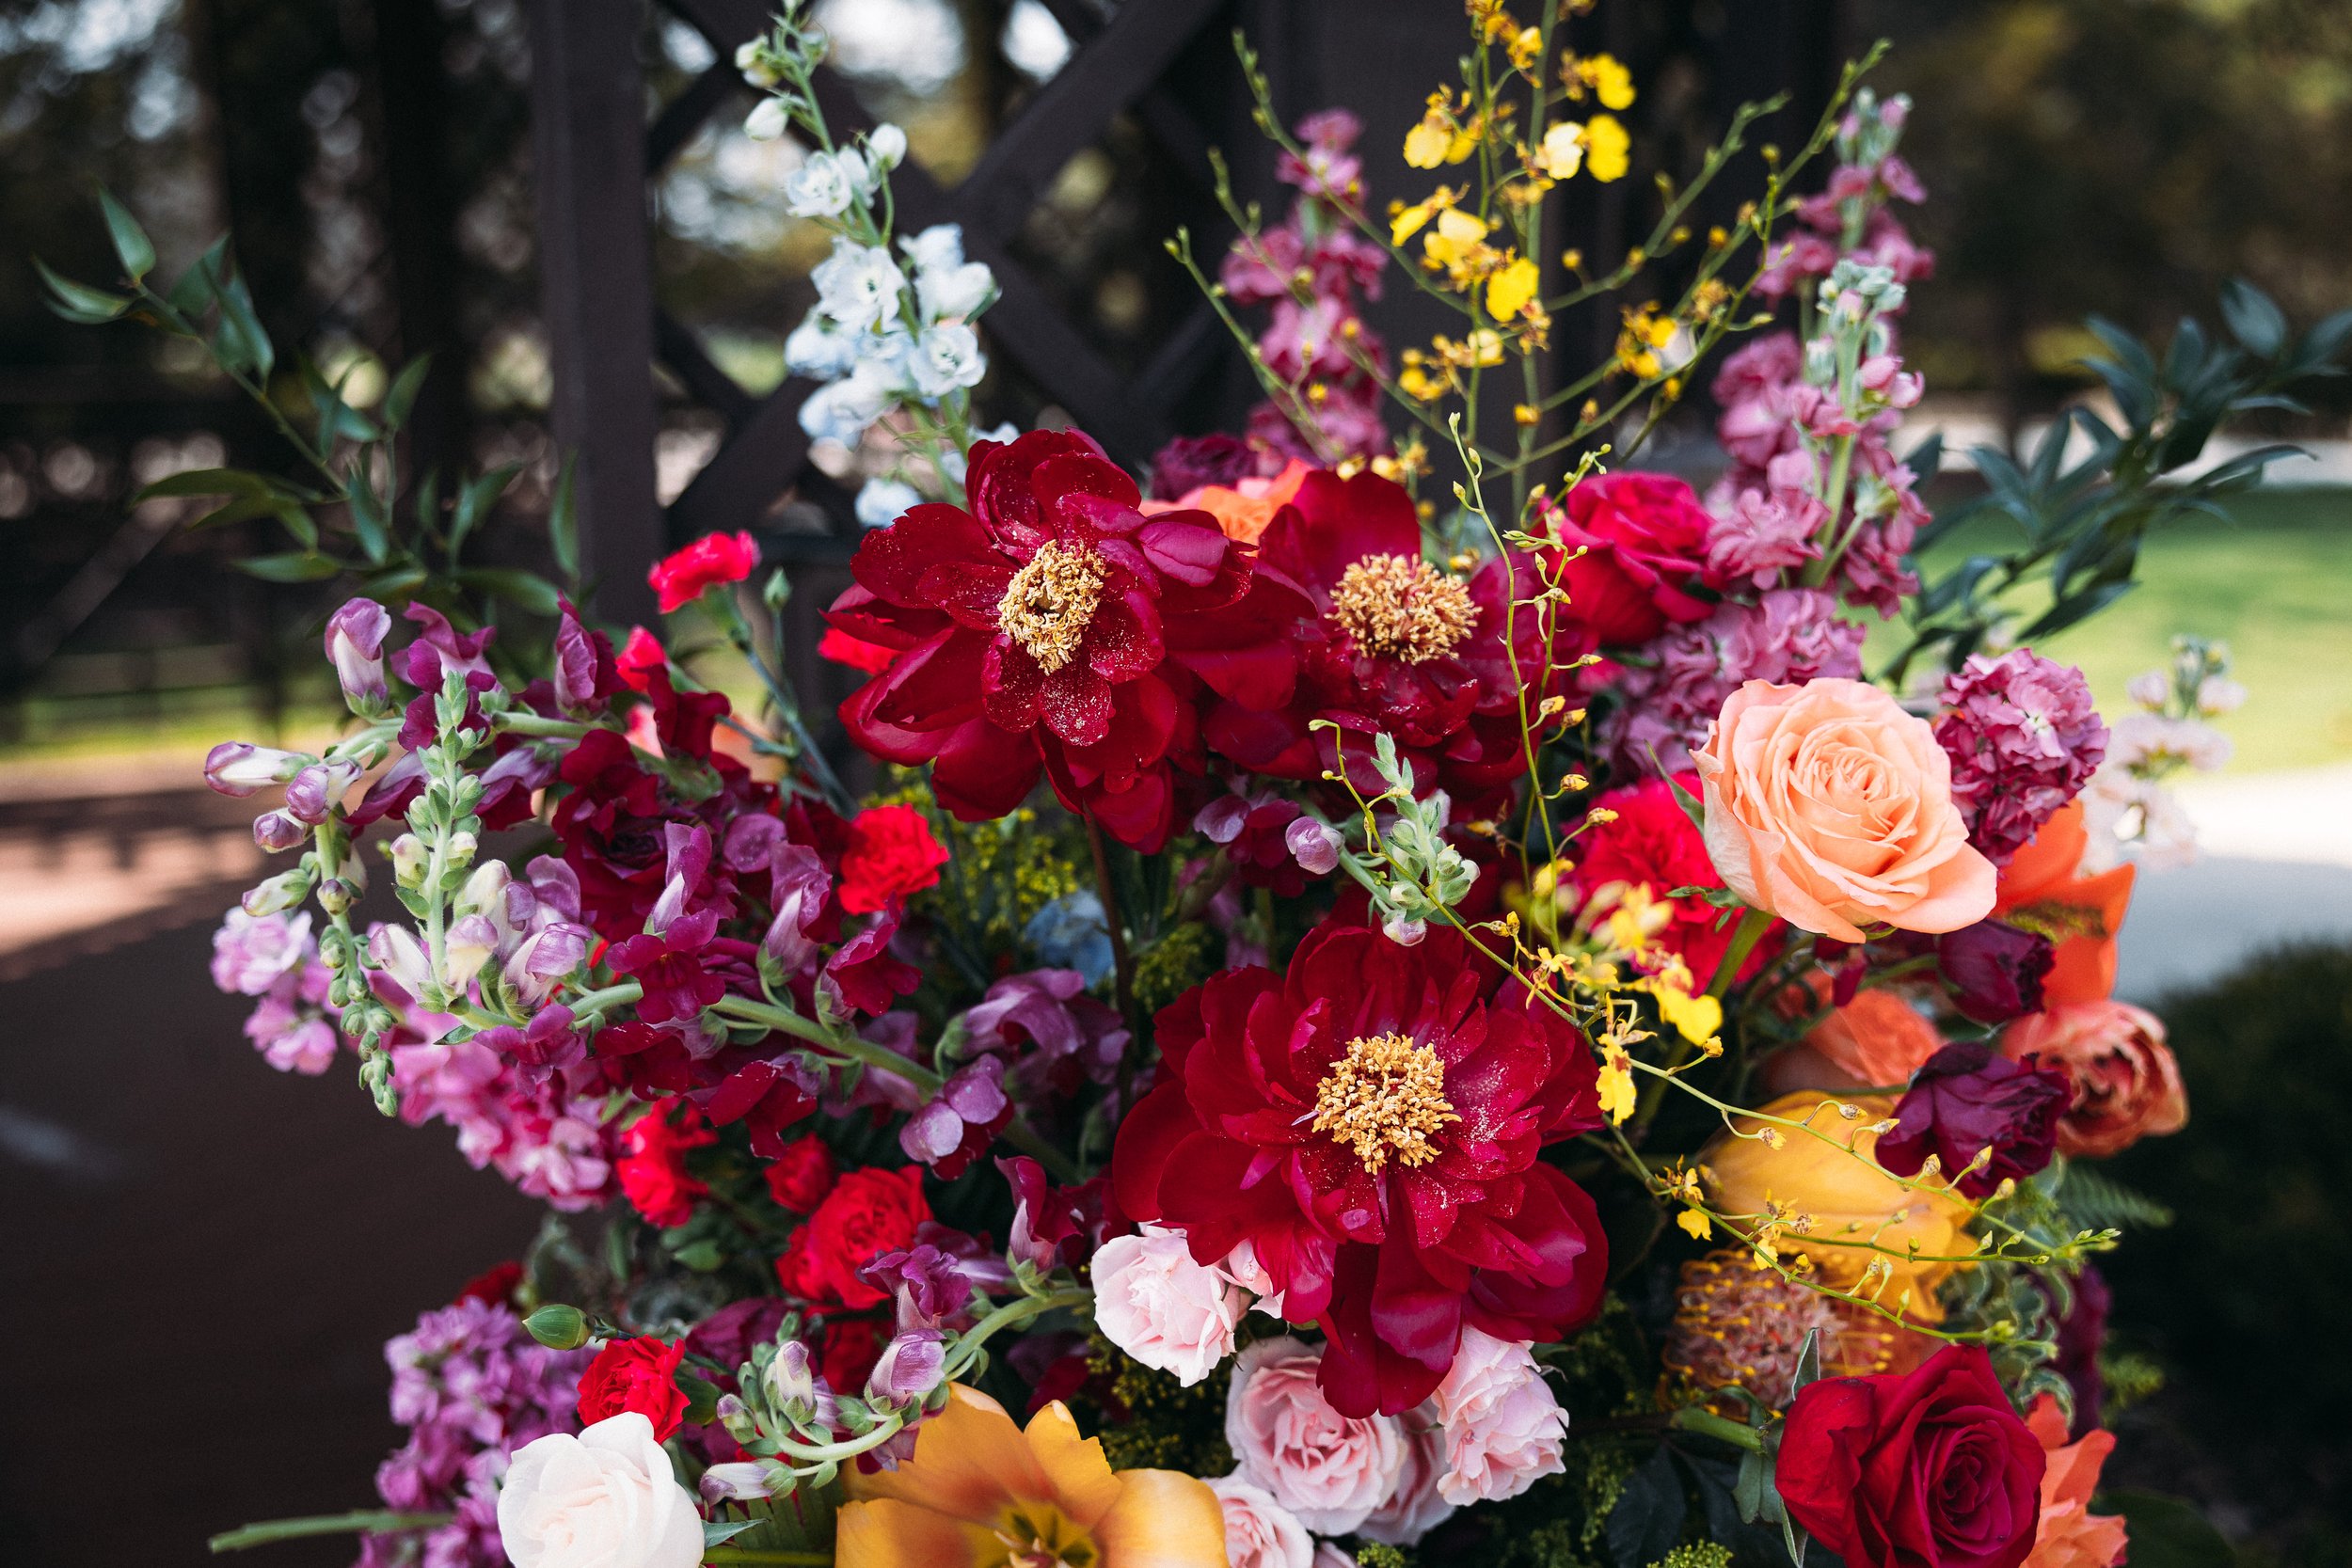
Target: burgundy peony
[(1929, 1469), (635, 1374), (1056, 627), (1968, 1099), (1644, 540), (1994, 970), (1369, 1122)]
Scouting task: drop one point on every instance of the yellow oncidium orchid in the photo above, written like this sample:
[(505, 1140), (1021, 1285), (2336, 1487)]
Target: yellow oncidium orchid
[(981, 1493)]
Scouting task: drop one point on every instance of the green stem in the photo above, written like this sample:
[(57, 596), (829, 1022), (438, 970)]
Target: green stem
[(371, 1521), (1753, 926), (841, 1042), (1691, 1417)]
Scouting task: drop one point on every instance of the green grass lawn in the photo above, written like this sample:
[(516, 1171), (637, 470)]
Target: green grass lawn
[(2276, 582)]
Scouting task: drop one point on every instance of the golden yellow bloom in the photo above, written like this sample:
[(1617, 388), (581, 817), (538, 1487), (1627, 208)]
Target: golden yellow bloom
[(1695, 1225), (1607, 147), (1846, 1196), (1425, 144), (980, 1493), (1562, 152), (1509, 290), (1611, 82), (1616, 1083), (1527, 48)]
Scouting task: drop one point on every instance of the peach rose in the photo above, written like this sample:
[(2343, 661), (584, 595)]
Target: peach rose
[(2069, 1535), (1850, 1199), (1330, 1470), (1830, 807), (1503, 1429), (2127, 1086)]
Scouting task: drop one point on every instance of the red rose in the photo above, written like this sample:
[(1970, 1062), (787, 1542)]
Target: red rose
[(652, 1166), (890, 853), (710, 561), (803, 1174), (868, 1212), (635, 1374), (1930, 1468), (495, 1286), (1643, 538)]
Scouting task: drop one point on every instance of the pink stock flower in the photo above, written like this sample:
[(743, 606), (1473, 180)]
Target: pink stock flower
[(1790, 635), (1503, 1429), (1155, 1303), (2023, 738), (1330, 1470), (1259, 1531)]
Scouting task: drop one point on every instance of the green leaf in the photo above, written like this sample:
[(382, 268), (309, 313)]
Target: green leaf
[(563, 522), (244, 344), (396, 582), (132, 246), (2166, 1532), (405, 385), (208, 482), (717, 1534), (474, 502), (533, 592), (194, 291), (78, 302), (293, 566), (370, 520), (1808, 1363), (1646, 1521), (2254, 321)]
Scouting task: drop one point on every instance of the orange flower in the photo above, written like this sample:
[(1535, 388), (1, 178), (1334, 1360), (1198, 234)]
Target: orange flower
[(980, 1493), (1244, 510), (2041, 891), (1878, 1038), (2070, 1535)]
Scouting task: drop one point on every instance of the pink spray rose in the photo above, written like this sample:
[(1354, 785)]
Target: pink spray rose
[(1330, 1470), (1169, 1312), (1259, 1531), (1415, 1509), (1830, 807), (1503, 1429)]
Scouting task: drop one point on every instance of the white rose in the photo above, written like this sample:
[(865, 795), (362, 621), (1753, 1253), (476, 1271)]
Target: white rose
[(1169, 1312), (606, 1499)]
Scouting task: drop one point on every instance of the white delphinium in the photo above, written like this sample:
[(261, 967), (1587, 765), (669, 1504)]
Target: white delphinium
[(882, 501), (826, 184), (858, 285)]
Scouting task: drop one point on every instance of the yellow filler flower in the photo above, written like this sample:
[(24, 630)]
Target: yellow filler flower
[(981, 1493)]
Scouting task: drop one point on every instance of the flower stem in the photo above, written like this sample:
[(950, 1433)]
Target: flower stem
[(1691, 1417), (370, 1520), (1753, 926)]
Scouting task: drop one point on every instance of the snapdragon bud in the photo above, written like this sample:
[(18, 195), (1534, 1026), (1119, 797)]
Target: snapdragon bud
[(1316, 846), (792, 1382), (558, 1326), (460, 849), (408, 861), (318, 789), (485, 891), (471, 941), (397, 952), (277, 895), (239, 767), (739, 1481), (354, 643), (277, 831)]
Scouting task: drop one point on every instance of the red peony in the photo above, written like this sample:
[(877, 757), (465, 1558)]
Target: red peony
[(1927, 1469), (652, 1166), (635, 1374), (803, 1174), (868, 1212), (1396, 645), (1644, 540), (1369, 1122), (840, 647), (891, 852), (1055, 627), (1654, 843), (713, 561)]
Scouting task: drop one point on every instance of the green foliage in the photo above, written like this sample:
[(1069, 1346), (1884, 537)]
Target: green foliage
[(1373, 1554), (2093, 1200), (2166, 1533), (1174, 964), (2084, 522), (1698, 1554)]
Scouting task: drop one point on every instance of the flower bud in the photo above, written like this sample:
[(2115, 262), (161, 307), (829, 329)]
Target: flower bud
[(742, 1480), (396, 951), (792, 1382), (277, 831), (238, 768), (485, 891), (277, 895), (354, 643), (336, 896), (461, 849), (558, 1326), (471, 943), (888, 145), (767, 120), (408, 859), (1316, 846), (318, 789), (912, 1365)]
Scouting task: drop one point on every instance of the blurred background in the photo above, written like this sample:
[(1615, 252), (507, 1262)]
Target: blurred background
[(204, 1242)]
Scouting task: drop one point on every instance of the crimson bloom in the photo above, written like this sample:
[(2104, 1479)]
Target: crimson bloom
[(891, 852), (1055, 626), (1644, 539), (1396, 645), (652, 1166), (1654, 843), (713, 561), (635, 1374), (1968, 1100), (1369, 1122)]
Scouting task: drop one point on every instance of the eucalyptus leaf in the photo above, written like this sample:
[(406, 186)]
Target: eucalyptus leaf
[(133, 249)]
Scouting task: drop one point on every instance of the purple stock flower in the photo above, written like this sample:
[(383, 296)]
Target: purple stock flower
[(1969, 1099), (2024, 738), (355, 644), (1790, 635)]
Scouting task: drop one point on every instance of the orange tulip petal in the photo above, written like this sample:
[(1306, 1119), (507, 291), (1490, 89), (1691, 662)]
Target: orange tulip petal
[(1163, 1520), (970, 1462), (886, 1533), (1079, 1479)]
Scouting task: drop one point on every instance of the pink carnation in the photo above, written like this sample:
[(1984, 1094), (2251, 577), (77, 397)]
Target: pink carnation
[(1259, 1531), (1330, 1470), (1504, 1431), (1155, 1303), (2023, 738)]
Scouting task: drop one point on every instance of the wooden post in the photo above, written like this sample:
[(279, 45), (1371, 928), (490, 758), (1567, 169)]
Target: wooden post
[(596, 279)]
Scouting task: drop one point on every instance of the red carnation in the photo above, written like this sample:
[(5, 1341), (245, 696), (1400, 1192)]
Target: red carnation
[(1929, 1469), (635, 1374), (1644, 540), (868, 1212), (713, 561), (847, 1349), (803, 1174), (1396, 645), (1654, 843), (1369, 1122), (891, 852), (652, 1166), (1055, 628), (494, 1286)]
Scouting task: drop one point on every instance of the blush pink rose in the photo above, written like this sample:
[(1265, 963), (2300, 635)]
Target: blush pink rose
[(1830, 807), (1503, 1429), (1330, 1470), (1415, 1508), (1259, 1531), (1169, 1312), (2127, 1086)]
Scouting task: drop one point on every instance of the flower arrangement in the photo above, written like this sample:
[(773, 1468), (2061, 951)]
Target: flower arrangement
[(1407, 983)]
